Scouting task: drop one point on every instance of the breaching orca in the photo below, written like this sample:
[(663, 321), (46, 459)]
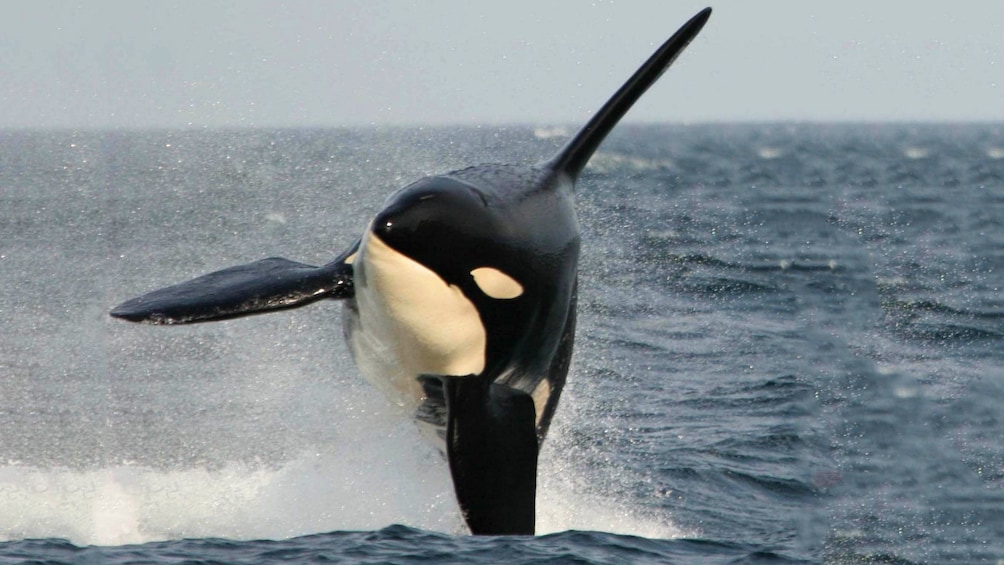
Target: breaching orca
[(459, 303)]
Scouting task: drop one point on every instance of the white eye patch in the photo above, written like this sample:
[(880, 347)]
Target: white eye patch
[(496, 284)]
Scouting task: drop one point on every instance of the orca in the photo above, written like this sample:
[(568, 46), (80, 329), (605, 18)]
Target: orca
[(459, 303)]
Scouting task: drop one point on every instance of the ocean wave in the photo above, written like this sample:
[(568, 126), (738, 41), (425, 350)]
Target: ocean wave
[(934, 321), (400, 544)]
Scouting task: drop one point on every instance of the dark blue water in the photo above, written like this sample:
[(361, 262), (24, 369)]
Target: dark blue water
[(790, 350)]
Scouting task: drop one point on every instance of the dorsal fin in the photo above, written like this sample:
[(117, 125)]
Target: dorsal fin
[(572, 158)]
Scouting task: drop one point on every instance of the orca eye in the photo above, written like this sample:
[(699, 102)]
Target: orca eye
[(496, 284)]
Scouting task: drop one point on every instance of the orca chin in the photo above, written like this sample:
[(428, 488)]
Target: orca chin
[(459, 303)]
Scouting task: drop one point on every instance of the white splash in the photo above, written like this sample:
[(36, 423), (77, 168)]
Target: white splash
[(313, 493), (550, 132), (768, 153), (603, 161)]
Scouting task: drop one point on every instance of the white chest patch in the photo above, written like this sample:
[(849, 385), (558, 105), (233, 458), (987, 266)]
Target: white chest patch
[(411, 323)]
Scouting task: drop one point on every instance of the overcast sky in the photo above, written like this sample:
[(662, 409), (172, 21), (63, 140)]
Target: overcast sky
[(250, 63)]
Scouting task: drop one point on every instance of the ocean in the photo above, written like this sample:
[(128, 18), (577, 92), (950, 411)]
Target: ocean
[(790, 350)]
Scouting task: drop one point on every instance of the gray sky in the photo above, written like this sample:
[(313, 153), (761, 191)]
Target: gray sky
[(128, 63)]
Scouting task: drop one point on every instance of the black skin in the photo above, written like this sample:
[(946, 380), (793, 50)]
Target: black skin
[(518, 219), (453, 227), (521, 221)]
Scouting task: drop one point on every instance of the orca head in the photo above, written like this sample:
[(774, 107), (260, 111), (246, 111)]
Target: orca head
[(449, 227), (467, 237)]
